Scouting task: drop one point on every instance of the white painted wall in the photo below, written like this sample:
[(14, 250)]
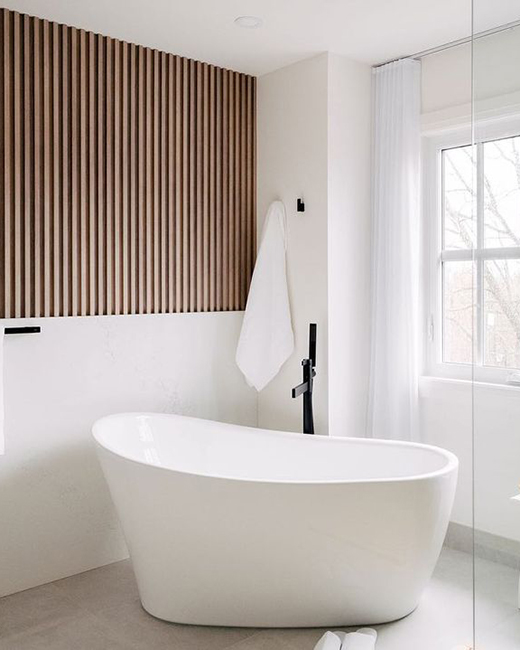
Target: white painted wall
[(447, 80), (292, 163), (447, 422), (314, 142), (349, 244), (447, 406), (495, 64), (56, 515)]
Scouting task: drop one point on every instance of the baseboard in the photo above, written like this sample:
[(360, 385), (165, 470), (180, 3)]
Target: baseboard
[(487, 546)]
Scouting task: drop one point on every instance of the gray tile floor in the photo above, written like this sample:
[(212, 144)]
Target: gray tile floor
[(100, 610)]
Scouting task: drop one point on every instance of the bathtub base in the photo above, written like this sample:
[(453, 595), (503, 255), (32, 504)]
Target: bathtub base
[(300, 602), (276, 622)]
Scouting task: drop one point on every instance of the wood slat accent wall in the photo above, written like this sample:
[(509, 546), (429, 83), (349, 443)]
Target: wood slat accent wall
[(127, 177)]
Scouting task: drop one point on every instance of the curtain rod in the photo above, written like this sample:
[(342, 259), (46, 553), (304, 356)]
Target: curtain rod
[(451, 44)]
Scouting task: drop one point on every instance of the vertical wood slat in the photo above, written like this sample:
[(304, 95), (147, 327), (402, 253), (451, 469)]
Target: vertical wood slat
[(46, 157), (243, 190), (127, 177), (192, 281), (109, 176), (149, 180), (56, 308), (101, 177), (116, 156), (185, 189), (75, 152), (36, 231), (172, 188), (251, 178), (210, 149), (248, 186), (83, 174), (93, 175), (17, 164), (204, 242), (66, 170), (176, 205), (225, 193), (218, 190), (141, 182), (163, 167), (6, 117), (125, 170), (3, 157), (238, 192), (132, 305), (231, 190), (199, 185), (156, 183), (31, 136)]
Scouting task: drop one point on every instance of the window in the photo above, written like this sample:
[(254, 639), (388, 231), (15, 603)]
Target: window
[(474, 274)]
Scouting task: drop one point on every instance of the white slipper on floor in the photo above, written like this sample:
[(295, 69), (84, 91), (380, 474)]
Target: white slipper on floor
[(363, 639), (341, 635), (329, 641)]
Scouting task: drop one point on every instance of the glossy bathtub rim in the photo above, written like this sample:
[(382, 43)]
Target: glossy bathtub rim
[(452, 462)]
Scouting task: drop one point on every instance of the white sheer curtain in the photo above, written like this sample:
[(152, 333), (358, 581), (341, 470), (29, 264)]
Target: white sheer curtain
[(393, 398)]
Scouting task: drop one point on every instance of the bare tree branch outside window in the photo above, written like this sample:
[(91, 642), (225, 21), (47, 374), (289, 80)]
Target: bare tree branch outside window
[(500, 229)]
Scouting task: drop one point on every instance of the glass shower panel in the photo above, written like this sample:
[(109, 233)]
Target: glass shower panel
[(445, 401), (496, 344)]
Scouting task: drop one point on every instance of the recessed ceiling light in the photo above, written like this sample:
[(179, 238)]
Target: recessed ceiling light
[(249, 22)]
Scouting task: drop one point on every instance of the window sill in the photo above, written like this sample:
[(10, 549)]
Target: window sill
[(430, 385)]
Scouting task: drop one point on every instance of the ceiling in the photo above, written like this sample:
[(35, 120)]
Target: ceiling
[(372, 31)]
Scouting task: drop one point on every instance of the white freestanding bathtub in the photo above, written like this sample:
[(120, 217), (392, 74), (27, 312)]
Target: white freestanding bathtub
[(228, 525)]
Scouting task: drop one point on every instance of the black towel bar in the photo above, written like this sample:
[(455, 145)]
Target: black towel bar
[(22, 330)]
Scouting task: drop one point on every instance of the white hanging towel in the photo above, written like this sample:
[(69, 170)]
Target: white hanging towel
[(329, 641), (2, 441), (266, 339)]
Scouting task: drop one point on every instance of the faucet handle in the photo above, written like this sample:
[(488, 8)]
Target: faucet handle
[(300, 389), (312, 343)]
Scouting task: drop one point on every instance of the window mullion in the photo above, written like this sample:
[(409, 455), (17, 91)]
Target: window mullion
[(479, 293), (467, 255), (510, 253)]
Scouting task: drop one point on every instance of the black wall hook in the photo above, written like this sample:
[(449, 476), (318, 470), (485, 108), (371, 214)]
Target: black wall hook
[(300, 205)]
